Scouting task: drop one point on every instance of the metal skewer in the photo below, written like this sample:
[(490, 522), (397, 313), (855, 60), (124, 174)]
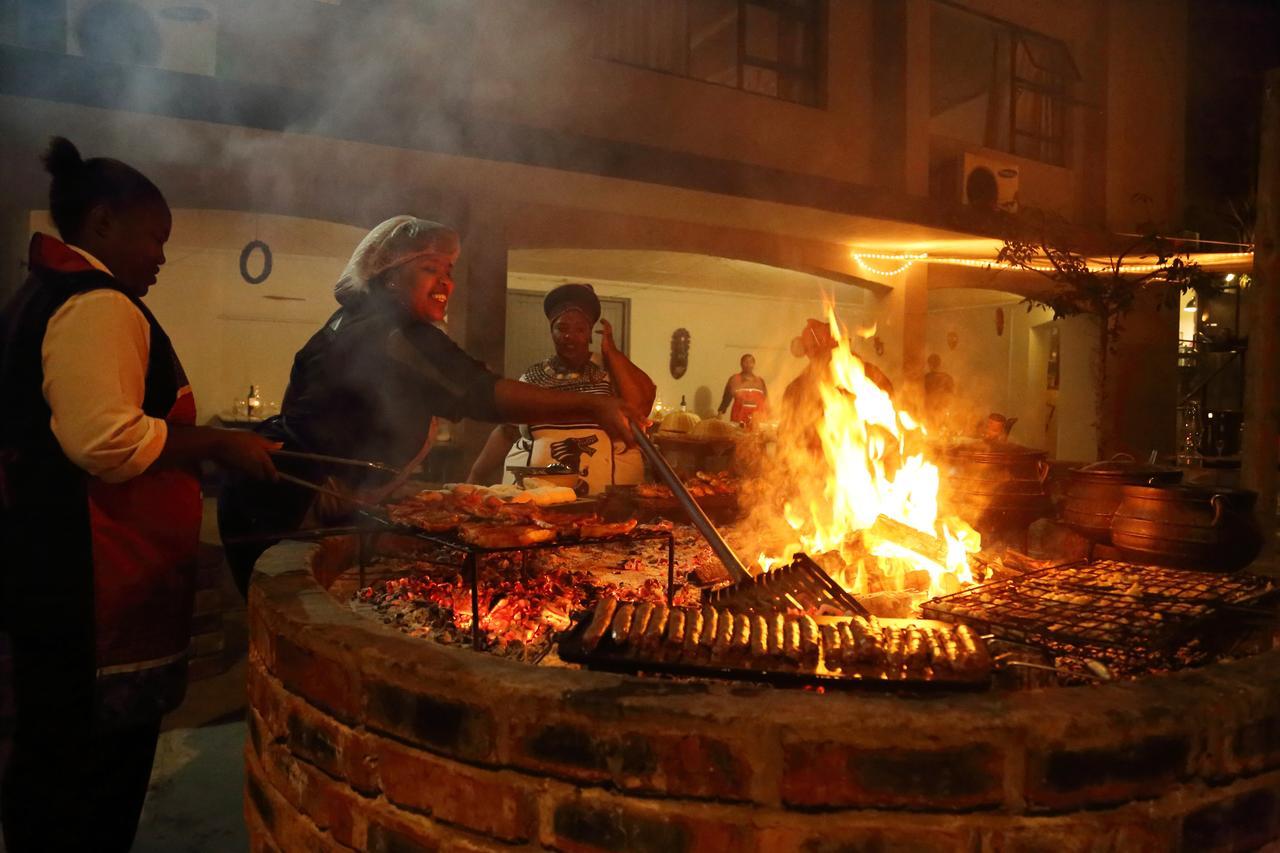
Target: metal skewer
[(696, 515)]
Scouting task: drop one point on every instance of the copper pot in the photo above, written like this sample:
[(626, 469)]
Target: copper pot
[(997, 486), (1093, 492), (1190, 527)]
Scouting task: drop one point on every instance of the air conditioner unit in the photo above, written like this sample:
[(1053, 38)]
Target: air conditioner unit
[(989, 183), (176, 35)]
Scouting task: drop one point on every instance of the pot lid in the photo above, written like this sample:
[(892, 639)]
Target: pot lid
[(1126, 469), (995, 451)]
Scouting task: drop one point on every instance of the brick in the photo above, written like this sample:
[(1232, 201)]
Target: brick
[(454, 728), (394, 831), (900, 838), (836, 775), (327, 677), (500, 804), (690, 765), (582, 823), (1139, 769), (329, 803), (1256, 744), (1243, 822), (1083, 835)]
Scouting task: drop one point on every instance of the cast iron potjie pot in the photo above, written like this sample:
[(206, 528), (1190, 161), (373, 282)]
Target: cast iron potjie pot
[(1093, 492), (998, 487), (1188, 527)]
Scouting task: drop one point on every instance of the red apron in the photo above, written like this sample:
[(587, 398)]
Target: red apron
[(746, 402), (145, 534)]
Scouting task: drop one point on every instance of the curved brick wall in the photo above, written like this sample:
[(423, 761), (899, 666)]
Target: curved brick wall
[(362, 737)]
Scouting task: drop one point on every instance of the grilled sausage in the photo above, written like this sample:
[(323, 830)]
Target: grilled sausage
[(777, 629), (915, 654), (831, 654), (675, 632), (760, 640), (620, 628), (741, 648), (656, 628), (692, 630), (849, 651), (937, 651), (808, 642), (724, 635), (710, 630), (791, 645), (599, 622), (639, 622), (969, 657)]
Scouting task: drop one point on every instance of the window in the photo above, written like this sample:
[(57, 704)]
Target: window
[(999, 86), (770, 47)]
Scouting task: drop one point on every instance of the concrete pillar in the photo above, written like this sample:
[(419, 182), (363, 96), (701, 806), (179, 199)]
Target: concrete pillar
[(900, 94), (901, 316), (478, 309), (1262, 394), (1140, 409)]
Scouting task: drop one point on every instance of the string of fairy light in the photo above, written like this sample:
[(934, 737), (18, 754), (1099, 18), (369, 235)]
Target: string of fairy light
[(903, 261)]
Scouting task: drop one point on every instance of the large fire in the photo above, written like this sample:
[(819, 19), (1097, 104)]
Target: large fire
[(854, 486)]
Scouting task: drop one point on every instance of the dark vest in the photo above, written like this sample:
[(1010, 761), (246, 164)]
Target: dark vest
[(77, 548)]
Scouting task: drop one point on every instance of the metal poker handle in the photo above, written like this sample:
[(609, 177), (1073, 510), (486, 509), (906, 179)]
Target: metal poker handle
[(336, 460), (696, 515)]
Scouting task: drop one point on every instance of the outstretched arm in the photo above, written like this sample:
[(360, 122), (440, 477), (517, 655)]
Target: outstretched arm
[(522, 403)]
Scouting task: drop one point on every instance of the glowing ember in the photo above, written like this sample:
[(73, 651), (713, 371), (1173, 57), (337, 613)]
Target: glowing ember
[(842, 468)]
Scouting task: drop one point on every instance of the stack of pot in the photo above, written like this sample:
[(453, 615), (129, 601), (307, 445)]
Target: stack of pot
[(1144, 512)]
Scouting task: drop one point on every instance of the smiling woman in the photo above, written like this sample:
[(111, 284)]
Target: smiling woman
[(371, 381)]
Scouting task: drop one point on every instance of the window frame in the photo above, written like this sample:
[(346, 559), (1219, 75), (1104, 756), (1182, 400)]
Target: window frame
[(812, 14)]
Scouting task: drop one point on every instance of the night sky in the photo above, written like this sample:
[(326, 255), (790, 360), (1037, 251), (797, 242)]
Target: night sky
[(1231, 44)]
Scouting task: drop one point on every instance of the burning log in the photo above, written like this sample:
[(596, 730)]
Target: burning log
[(907, 537)]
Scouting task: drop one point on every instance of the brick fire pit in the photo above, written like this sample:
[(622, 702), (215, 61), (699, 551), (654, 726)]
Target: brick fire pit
[(362, 737)]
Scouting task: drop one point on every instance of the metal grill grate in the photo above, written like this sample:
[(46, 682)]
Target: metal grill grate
[(1108, 604)]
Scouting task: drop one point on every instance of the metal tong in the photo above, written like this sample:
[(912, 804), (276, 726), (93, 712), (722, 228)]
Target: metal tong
[(696, 515), (337, 460)]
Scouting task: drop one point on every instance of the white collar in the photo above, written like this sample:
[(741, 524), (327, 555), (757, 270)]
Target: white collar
[(93, 262)]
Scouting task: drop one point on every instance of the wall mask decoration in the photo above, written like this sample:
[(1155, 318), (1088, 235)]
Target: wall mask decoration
[(999, 322), (953, 339), (680, 339), (878, 345)]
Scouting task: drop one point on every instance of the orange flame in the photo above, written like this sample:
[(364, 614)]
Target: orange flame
[(870, 465)]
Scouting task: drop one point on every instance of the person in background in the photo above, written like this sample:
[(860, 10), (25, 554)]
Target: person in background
[(939, 388), (372, 380), (572, 311), (101, 511), (747, 393)]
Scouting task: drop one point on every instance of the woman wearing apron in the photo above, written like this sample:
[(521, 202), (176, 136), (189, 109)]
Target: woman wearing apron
[(746, 392), (573, 311), (101, 510)]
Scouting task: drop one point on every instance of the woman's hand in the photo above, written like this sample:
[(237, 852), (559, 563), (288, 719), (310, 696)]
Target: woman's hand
[(247, 452), (606, 337)]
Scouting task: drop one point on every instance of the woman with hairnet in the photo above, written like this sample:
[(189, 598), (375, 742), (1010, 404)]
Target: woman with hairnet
[(370, 382)]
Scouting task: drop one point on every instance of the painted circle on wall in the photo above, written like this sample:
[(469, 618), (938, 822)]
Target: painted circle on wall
[(247, 253)]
